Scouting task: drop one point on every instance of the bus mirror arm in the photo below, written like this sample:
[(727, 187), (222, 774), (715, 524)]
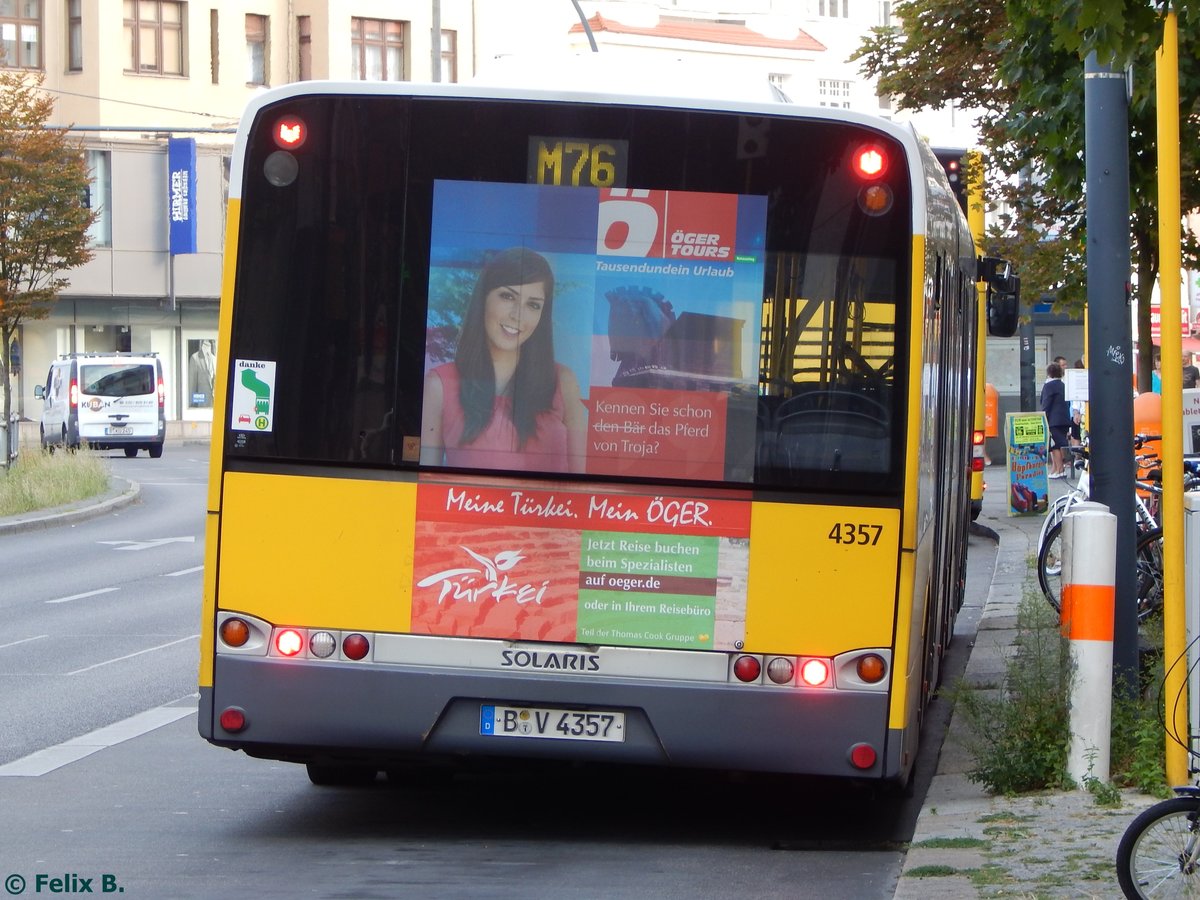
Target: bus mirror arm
[(1003, 296), (992, 267)]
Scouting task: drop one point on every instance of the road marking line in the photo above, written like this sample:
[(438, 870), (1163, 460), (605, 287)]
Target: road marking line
[(81, 596), (190, 637), (143, 545), (59, 755), (183, 572), (24, 641)]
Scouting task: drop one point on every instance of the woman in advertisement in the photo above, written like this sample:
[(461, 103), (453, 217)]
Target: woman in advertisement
[(504, 403)]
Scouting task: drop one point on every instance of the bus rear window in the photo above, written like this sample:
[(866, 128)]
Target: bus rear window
[(678, 309)]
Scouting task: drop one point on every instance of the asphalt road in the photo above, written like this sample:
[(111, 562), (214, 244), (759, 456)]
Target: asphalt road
[(107, 779), (100, 617)]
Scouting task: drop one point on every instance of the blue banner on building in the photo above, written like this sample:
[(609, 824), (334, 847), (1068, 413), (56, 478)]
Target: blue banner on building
[(181, 193)]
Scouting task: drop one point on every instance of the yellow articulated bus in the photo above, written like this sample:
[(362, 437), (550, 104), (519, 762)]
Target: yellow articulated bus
[(965, 172), (584, 426)]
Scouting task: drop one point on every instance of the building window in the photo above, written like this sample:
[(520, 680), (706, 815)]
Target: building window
[(154, 38), (257, 30), (885, 13), (834, 9), (74, 35), (449, 56), (99, 196), (833, 92), (304, 45), (21, 33), (377, 49)]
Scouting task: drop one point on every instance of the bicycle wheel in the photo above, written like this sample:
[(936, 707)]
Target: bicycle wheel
[(1149, 572), (1049, 566), (1157, 853)]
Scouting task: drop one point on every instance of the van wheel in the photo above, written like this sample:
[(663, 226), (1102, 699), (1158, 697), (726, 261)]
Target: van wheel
[(131, 452), (155, 451)]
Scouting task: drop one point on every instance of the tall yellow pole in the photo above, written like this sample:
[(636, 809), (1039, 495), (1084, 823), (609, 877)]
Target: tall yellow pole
[(1174, 638)]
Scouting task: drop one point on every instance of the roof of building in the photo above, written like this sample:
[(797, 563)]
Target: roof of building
[(708, 32)]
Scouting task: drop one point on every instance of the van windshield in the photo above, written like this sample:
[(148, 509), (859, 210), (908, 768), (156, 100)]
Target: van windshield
[(116, 380)]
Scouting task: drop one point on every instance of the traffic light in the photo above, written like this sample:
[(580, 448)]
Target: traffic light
[(955, 164)]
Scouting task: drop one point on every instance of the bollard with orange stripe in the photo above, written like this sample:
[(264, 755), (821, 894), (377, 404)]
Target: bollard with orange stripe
[(1089, 540)]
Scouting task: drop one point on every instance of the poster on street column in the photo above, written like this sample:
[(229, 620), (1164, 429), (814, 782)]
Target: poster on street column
[(1027, 439)]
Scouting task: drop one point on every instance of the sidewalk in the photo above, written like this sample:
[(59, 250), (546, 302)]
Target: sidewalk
[(969, 844)]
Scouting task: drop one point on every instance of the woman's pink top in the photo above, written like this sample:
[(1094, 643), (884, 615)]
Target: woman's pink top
[(497, 446)]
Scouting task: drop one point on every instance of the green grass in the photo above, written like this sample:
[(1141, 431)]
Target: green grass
[(1018, 735), (953, 843), (935, 871), (40, 480)]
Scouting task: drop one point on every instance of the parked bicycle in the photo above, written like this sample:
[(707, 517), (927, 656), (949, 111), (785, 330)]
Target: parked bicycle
[(1159, 853), (1147, 551)]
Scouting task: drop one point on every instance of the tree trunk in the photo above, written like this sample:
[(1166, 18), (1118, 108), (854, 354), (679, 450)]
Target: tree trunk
[(6, 336)]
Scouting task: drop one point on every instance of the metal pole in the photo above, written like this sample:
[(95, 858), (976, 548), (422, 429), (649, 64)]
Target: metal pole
[(1027, 356), (1028, 362), (1110, 352), (1174, 639)]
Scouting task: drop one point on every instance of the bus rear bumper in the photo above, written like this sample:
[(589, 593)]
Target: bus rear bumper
[(304, 712)]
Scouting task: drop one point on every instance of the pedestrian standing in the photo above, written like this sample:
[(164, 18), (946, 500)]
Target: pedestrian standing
[(1191, 375), (1058, 417)]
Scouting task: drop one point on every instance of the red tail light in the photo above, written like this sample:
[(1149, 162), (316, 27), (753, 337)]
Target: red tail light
[(290, 132), (747, 668), (355, 646), (73, 394), (289, 642), (815, 672), (162, 394), (233, 719), (870, 161), (862, 756), (977, 455)]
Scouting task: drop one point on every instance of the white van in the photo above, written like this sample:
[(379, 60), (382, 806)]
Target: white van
[(107, 400)]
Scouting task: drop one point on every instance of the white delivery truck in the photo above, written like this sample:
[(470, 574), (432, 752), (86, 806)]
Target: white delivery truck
[(106, 400)]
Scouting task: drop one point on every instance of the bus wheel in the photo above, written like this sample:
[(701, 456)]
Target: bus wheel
[(339, 776), (131, 452), (155, 450)]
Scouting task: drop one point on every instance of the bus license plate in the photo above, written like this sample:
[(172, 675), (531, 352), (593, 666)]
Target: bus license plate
[(559, 724), (118, 429)]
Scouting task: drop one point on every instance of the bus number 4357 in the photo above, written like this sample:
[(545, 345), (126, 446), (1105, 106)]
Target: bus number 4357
[(855, 533)]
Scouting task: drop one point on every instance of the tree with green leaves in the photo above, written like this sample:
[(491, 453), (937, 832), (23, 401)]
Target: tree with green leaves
[(1020, 63), (43, 219)]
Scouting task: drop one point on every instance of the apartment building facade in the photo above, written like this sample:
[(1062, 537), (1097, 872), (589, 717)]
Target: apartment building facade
[(129, 77), (129, 82)]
